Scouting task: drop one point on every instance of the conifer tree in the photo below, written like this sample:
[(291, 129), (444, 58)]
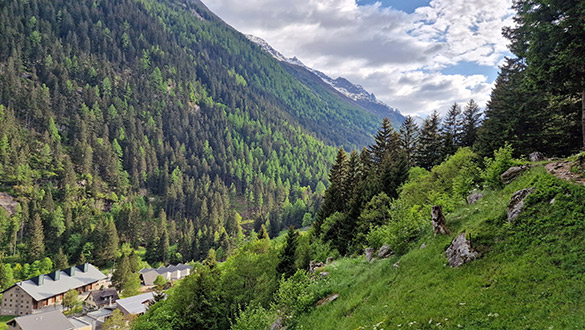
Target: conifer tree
[(37, 239), (470, 123), (286, 264), (61, 261), (451, 131), (429, 146), (409, 139), (263, 234)]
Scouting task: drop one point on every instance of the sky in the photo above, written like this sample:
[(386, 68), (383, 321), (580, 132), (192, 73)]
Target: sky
[(417, 56)]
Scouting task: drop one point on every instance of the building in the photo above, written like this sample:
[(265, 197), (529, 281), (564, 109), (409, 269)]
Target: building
[(44, 292), (53, 320), (136, 305), (97, 318), (170, 273), (101, 298)]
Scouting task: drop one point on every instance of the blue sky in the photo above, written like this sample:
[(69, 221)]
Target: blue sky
[(414, 55)]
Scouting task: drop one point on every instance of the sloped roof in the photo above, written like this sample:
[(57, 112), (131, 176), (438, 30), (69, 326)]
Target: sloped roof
[(50, 287), (135, 305), (102, 297), (54, 320), (162, 270)]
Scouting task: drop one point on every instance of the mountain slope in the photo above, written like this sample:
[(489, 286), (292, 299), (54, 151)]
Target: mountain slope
[(355, 93)]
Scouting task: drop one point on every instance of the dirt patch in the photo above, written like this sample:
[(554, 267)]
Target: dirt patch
[(562, 170)]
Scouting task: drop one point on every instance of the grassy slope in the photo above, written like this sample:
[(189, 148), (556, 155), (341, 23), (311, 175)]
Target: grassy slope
[(516, 284)]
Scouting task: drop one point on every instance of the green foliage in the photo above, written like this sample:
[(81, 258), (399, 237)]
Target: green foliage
[(254, 318), (295, 295), (70, 299), (494, 167)]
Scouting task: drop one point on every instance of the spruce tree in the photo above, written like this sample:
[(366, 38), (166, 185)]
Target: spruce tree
[(61, 261), (451, 131), (470, 123), (37, 239), (409, 139), (286, 264), (428, 152)]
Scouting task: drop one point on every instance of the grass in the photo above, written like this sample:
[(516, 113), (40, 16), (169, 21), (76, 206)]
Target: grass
[(3, 320), (521, 282)]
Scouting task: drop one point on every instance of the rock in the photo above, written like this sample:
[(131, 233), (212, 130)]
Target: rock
[(329, 260), (536, 157), (384, 251), (397, 264), (423, 245), (277, 325), (313, 265), (369, 254), (512, 173), (552, 201), (8, 203), (439, 226), (323, 274), (517, 203), (327, 300), (460, 251), (474, 197)]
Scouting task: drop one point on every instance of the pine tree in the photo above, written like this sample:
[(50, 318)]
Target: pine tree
[(263, 234), (61, 261), (470, 123), (122, 272), (451, 131), (286, 264), (409, 139), (37, 239), (428, 152)]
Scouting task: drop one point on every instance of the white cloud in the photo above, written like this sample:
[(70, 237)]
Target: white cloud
[(397, 56)]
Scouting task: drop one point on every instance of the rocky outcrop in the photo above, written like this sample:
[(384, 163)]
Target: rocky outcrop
[(439, 226), (474, 197), (512, 173), (460, 251), (536, 157), (8, 203), (369, 254), (516, 203), (328, 299), (313, 266), (277, 325), (385, 251)]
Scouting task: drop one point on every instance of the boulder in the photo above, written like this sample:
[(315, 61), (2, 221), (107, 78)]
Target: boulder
[(323, 274), (313, 265), (277, 325), (423, 245), (397, 264), (329, 260), (474, 197), (439, 226), (516, 203), (369, 254), (512, 173), (536, 157), (328, 299), (460, 251), (385, 251)]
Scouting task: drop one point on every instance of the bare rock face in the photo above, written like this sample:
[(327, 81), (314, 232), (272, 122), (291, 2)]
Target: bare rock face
[(8, 203), (512, 173), (369, 254), (474, 197), (536, 157), (385, 251), (460, 251), (516, 203), (439, 226)]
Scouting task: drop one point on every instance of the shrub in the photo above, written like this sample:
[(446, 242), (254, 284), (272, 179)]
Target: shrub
[(254, 318), (295, 295), (494, 167)]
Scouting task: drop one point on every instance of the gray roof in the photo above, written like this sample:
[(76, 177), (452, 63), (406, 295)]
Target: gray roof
[(102, 297), (78, 323), (64, 283), (54, 320), (162, 270), (136, 305)]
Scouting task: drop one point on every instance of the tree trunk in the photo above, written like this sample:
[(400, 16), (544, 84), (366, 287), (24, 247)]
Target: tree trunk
[(438, 219), (583, 117)]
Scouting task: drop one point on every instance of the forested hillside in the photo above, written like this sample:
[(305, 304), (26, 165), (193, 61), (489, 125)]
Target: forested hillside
[(153, 124)]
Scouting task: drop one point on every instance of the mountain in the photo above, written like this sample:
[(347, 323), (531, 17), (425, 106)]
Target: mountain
[(155, 125), (356, 93)]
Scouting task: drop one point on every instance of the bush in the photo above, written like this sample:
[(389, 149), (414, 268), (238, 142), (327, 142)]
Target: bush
[(494, 167), (296, 295), (255, 318)]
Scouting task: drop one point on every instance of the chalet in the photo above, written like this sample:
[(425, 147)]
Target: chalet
[(45, 291), (53, 320), (136, 305), (101, 298), (170, 273)]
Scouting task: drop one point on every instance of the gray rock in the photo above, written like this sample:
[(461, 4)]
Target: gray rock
[(369, 254), (323, 274), (536, 157), (397, 264), (438, 219), (516, 203), (423, 245), (328, 299), (313, 265), (277, 325), (8, 203), (474, 197), (329, 260), (460, 251), (385, 251), (512, 173)]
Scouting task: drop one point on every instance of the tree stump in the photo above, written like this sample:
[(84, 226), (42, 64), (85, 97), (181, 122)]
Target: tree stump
[(439, 226)]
